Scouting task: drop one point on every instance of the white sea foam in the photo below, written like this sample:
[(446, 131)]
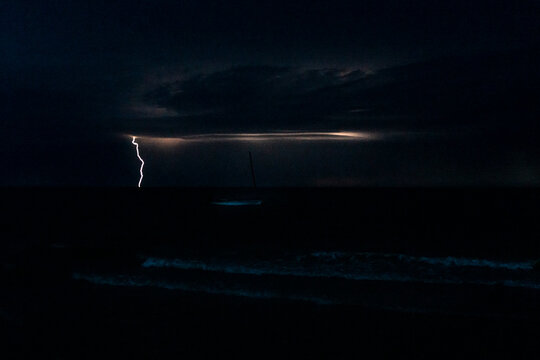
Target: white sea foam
[(444, 261), (368, 267)]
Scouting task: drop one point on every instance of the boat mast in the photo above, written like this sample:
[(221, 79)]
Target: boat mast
[(252, 171)]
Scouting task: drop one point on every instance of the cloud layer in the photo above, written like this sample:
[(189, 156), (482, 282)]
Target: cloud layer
[(442, 94)]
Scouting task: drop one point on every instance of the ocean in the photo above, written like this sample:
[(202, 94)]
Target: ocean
[(281, 273)]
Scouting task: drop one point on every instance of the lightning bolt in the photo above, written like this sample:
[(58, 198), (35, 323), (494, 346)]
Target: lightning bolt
[(140, 158)]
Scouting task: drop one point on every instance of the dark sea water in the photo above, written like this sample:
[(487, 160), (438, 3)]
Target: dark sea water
[(333, 278), (303, 272)]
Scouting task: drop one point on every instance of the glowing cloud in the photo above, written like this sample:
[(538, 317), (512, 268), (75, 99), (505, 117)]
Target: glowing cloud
[(140, 158), (268, 136)]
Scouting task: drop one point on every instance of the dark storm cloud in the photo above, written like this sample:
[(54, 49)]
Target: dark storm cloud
[(491, 89), (82, 58), (262, 97), (484, 90)]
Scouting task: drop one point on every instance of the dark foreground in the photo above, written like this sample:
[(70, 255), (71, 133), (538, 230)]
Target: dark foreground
[(309, 273)]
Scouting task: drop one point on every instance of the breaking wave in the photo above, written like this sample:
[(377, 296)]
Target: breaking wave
[(366, 279), (366, 266), (449, 261)]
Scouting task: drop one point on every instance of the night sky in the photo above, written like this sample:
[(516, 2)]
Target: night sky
[(323, 93)]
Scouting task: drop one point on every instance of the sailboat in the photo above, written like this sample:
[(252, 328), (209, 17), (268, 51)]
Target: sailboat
[(242, 201)]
